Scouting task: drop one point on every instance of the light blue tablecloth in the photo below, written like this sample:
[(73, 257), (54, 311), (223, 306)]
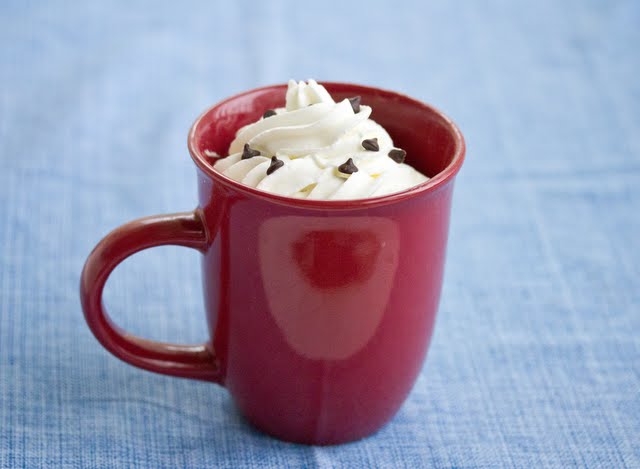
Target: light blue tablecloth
[(536, 356)]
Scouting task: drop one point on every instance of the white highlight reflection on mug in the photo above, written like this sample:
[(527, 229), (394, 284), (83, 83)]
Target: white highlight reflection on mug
[(328, 306)]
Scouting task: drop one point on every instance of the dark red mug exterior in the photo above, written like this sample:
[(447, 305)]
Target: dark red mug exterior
[(320, 313)]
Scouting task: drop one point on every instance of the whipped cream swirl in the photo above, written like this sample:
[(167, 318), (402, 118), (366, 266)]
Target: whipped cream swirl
[(303, 146)]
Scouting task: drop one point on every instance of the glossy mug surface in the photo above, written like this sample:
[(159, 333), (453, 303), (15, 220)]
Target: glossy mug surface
[(320, 313)]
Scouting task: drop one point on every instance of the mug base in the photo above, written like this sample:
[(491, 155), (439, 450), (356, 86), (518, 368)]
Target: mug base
[(333, 438)]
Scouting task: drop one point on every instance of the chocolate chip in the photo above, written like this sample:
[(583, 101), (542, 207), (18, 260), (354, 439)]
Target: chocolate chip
[(275, 165), (355, 104), (348, 167), (370, 144), (397, 155), (249, 152), (268, 113)]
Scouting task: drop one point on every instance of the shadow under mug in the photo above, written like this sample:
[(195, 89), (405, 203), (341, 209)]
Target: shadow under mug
[(319, 313)]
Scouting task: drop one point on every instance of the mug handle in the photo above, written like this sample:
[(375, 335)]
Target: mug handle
[(180, 229)]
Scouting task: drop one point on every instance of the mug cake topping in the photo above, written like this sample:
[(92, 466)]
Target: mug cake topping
[(370, 144), (275, 164), (248, 152), (355, 102), (348, 167), (317, 148), (397, 155)]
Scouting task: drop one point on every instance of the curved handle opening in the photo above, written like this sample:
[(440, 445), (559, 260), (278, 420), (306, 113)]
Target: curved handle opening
[(179, 229)]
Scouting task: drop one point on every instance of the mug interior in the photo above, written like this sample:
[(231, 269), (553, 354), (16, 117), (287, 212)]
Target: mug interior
[(433, 143)]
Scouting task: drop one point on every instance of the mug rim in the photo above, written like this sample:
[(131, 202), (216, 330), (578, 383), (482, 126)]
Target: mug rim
[(443, 177)]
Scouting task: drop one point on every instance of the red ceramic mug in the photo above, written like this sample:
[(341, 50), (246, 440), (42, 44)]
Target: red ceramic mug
[(320, 313)]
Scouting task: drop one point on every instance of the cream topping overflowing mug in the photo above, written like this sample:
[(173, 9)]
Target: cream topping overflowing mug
[(318, 149)]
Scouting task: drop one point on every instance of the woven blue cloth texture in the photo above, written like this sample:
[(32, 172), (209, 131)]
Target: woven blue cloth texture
[(535, 361)]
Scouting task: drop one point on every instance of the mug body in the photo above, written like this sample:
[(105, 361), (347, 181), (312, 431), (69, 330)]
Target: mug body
[(321, 312)]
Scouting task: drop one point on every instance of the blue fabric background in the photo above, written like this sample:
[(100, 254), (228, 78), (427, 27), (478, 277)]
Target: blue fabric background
[(536, 356)]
